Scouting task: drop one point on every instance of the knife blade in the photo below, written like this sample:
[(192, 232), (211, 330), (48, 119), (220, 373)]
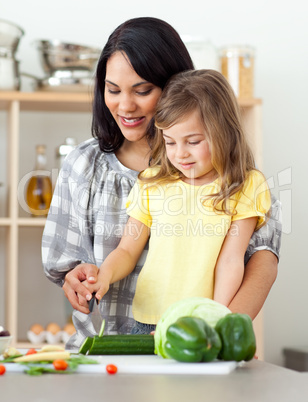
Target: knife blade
[(96, 317)]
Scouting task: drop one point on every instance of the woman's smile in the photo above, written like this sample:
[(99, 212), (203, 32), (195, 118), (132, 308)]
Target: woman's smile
[(131, 122)]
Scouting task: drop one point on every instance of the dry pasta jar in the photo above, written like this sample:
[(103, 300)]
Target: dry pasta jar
[(237, 65)]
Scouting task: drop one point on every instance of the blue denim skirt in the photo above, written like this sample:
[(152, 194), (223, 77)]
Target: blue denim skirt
[(142, 329)]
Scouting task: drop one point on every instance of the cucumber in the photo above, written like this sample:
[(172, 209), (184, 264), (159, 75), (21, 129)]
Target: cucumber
[(122, 345), (86, 346)]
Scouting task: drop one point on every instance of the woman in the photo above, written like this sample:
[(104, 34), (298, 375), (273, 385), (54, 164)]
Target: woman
[(87, 215)]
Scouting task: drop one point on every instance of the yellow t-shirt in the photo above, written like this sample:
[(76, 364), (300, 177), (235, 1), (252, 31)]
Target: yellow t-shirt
[(186, 238)]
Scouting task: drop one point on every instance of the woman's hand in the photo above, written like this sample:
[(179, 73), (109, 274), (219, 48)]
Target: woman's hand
[(260, 274), (77, 294)]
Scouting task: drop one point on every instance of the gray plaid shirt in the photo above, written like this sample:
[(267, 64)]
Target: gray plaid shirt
[(86, 221)]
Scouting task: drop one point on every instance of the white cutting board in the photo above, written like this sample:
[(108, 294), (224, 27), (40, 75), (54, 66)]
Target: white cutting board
[(145, 364)]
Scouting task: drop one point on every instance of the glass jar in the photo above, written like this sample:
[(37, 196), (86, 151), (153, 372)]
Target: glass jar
[(237, 65), (39, 189), (202, 52)]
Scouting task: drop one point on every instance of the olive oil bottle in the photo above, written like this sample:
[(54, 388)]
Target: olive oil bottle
[(39, 189)]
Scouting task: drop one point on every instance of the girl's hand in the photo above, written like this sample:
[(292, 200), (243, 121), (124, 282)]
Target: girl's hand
[(100, 287), (75, 291)]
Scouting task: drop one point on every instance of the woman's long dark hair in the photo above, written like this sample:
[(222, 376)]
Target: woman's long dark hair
[(156, 52)]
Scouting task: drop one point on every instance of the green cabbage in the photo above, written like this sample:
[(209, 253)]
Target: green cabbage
[(207, 309)]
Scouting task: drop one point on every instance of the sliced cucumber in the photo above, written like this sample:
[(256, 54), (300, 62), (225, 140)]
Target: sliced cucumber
[(84, 348), (101, 331)]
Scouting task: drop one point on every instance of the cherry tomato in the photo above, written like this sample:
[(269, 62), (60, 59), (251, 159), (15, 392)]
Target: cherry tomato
[(2, 369), (60, 365), (111, 369), (31, 352)]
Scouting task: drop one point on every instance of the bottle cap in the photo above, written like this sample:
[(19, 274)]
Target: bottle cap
[(41, 149)]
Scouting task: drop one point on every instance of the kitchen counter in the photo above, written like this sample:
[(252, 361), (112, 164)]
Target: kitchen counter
[(253, 381)]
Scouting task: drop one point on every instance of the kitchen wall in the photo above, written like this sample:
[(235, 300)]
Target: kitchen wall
[(280, 36)]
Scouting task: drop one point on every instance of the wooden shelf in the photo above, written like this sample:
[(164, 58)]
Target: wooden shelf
[(67, 101), (30, 222), (48, 101)]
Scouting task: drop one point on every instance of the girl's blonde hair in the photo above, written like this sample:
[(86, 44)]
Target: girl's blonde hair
[(208, 92)]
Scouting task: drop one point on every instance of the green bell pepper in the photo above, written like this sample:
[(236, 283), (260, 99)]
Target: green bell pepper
[(191, 339), (237, 337)]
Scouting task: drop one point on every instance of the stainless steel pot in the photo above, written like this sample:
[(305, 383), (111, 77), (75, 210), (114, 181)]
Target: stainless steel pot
[(56, 55), (10, 35), (64, 81), (9, 74)]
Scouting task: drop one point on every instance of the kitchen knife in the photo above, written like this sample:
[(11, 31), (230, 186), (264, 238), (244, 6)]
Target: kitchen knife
[(95, 313)]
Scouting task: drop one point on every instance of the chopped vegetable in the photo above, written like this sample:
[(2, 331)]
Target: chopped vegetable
[(45, 356), (60, 365), (237, 336), (51, 348), (2, 369), (86, 346), (111, 369), (191, 339), (207, 309), (101, 331), (31, 352), (11, 352)]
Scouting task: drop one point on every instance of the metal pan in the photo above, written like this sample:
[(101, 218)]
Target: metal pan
[(57, 55), (63, 81), (10, 35)]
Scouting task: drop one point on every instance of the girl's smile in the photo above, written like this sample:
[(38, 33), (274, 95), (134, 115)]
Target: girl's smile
[(187, 165)]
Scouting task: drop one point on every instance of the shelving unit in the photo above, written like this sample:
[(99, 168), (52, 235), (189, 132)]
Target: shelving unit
[(14, 103)]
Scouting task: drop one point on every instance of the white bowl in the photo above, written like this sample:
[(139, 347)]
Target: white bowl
[(36, 338), (5, 342), (53, 338)]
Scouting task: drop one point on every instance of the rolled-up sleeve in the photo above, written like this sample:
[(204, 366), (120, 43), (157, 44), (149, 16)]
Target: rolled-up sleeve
[(268, 237)]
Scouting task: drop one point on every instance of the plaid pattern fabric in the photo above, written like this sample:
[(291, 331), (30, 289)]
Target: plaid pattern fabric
[(268, 237), (85, 223)]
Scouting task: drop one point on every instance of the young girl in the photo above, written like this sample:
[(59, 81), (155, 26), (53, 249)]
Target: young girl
[(199, 203)]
